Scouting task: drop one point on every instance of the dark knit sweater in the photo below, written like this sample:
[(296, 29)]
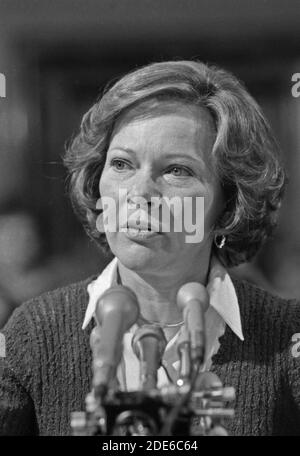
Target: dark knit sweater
[(47, 370)]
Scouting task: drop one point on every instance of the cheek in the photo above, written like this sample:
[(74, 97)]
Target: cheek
[(111, 239), (213, 206), (104, 184), (117, 243)]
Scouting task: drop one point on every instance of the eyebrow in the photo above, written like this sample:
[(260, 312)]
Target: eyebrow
[(198, 160), (123, 148)]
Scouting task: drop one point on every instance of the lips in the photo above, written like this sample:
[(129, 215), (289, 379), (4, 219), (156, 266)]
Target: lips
[(141, 235), (141, 220), (143, 227)]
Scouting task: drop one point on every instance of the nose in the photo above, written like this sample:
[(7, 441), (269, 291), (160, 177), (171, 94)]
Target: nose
[(144, 187)]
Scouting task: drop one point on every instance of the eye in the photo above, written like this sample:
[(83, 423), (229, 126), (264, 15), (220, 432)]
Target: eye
[(179, 171), (120, 165)]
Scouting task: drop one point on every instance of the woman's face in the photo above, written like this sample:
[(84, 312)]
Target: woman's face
[(163, 154)]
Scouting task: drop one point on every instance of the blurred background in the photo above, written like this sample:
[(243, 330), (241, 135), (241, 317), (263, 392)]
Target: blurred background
[(58, 55)]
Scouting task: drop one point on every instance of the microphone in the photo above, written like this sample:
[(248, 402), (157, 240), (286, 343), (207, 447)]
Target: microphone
[(116, 311), (192, 299), (208, 380), (183, 350), (206, 383), (149, 344)]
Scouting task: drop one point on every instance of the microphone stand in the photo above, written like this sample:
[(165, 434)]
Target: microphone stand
[(149, 344), (183, 350), (149, 411)]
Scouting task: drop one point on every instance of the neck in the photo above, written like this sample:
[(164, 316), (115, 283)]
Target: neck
[(157, 294)]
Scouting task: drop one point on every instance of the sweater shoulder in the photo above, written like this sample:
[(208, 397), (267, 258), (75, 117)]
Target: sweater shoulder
[(245, 288), (70, 297), (60, 298), (259, 305), (41, 329), (51, 308)]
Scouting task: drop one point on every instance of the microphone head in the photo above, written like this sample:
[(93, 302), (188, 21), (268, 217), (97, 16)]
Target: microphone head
[(192, 291), (193, 300), (118, 301), (116, 310), (207, 380)]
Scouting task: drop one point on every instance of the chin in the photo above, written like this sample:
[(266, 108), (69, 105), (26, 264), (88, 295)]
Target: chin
[(135, 256), (138, 261)]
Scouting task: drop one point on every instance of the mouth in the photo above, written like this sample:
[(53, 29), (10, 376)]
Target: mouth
[(143, 228), (141, 233), (148, 227)]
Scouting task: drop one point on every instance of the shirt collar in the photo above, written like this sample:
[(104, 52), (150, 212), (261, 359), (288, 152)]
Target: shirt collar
[(98, 286), (223, 298), (222, 294)]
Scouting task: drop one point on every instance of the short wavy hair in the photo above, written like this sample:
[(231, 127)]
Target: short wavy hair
[(245, 155)]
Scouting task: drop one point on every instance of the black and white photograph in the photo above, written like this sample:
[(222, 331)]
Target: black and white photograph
[(149, 220)]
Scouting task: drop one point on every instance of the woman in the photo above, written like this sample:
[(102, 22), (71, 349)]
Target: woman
[(172, 129)]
